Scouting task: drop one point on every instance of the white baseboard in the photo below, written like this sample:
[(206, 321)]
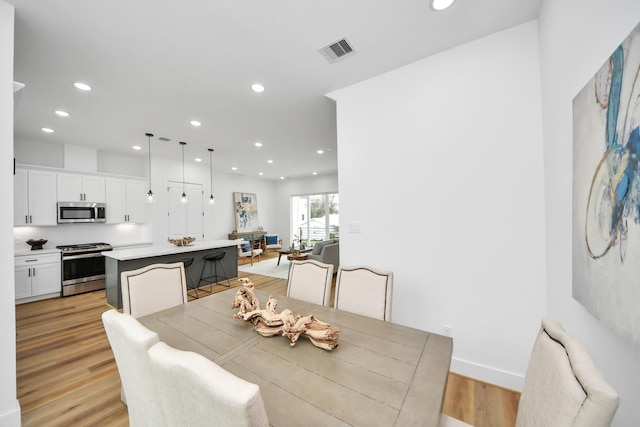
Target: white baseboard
[(11, 418), (488, 374)]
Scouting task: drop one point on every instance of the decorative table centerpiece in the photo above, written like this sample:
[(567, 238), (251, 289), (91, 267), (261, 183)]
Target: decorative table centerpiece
[(268, 322), (36, 243), (185, 241)]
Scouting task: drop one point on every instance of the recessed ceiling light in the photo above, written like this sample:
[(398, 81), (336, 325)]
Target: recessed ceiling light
[(198, 159), (137, 147), (314, 173), (260, 173), (82, 86), (441, 4), (320, 151), (48, 130), (62, 113), (195, 123), (257, 87), (282, 177), (258, 144), (269, 161), (233, 168)]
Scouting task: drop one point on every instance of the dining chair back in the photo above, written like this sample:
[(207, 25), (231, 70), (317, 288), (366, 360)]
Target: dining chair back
[(310, 281), (153, 288), (562, 386), (364, 290), (130, 342), (197, 392)]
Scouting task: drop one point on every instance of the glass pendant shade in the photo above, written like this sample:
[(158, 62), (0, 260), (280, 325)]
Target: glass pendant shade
[(212, 200), (183, 198), (150, 193)]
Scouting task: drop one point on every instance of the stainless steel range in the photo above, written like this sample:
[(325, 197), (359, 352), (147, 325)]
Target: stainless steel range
[(83, 267)]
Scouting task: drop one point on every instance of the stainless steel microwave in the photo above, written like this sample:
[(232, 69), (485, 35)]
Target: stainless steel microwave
[(69, 212)]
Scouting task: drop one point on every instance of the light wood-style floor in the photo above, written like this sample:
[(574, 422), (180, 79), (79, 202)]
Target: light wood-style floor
[(67, 376)]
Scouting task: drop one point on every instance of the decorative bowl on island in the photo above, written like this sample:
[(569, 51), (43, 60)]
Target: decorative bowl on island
[(36, 243), (185, 241)]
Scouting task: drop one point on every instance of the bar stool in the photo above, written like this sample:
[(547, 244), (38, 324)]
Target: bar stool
[(213, 260), (187, 263)]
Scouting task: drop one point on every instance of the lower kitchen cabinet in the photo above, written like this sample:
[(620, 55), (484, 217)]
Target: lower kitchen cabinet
[(37, 276)]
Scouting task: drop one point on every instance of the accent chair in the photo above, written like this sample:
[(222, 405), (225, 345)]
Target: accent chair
[(272, 242), (247, 251)]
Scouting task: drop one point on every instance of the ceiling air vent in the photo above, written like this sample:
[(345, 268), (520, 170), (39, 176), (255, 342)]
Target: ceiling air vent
[(337, 50), (162, 138)]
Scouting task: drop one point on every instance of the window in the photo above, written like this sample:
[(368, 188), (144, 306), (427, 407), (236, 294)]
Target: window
[(314, 217)]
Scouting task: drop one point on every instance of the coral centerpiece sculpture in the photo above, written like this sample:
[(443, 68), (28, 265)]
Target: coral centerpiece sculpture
[(268, 322)]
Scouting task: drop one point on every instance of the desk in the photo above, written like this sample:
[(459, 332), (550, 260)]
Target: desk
[(381, 374)]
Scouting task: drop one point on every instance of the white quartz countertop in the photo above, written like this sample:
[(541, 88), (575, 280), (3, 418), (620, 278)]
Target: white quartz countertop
[(168, 249), (29, 252)]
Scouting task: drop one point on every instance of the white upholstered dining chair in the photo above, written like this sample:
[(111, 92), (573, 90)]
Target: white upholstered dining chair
[(310, 281), (197, 392), (364, 290), (153, 288), (130, 342), (562, 386)]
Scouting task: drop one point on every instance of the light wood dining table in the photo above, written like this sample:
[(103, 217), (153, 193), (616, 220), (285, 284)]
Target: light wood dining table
[(381, 373)]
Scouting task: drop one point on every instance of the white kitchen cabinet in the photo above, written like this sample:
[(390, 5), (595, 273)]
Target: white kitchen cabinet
[(34, 198), (125, 200), (80, 188), (37, 276)]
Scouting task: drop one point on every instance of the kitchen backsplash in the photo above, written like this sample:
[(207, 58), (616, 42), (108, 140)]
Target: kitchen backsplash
[(69, 234)]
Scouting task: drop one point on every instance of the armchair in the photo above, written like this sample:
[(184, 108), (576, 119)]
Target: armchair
[(272, 242), (327, 252), (246, 250)]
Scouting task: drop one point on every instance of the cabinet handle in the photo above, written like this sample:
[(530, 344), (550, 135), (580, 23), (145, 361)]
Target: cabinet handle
[(30, 219), (34, 272), (29, 271), (26, 219)]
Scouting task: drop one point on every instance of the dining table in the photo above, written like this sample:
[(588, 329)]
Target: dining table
[(380, 374)]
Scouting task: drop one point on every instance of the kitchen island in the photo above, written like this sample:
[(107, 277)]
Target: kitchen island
[(120, 260)]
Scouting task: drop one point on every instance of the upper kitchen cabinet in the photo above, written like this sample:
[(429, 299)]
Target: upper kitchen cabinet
[(125, 200), (80, 188), (34, 197)]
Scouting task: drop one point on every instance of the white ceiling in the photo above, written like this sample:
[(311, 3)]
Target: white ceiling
[(157, 64)]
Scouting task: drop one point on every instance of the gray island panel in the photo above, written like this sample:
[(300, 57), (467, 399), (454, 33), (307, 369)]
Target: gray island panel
[(118, 261)]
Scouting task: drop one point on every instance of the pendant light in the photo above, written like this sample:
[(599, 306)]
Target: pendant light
[(183, 198), (150, 193), (212, 200)]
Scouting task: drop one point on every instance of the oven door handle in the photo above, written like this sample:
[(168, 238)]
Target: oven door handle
[(96, 255)]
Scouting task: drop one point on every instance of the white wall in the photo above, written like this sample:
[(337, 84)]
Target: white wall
[(441, 164), (9, 406), (576, 37)]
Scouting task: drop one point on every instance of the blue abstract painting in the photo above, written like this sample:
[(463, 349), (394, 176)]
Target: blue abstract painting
[(606, 192)]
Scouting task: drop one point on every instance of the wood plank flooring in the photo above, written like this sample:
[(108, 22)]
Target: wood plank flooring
[(67, 376)]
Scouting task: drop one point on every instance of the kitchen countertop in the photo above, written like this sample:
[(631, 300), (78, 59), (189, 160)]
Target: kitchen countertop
[(168, 249), (37, 252)]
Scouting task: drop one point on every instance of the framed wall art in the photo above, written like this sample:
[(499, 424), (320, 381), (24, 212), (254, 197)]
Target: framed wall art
[(606, 192), (245, 207)]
